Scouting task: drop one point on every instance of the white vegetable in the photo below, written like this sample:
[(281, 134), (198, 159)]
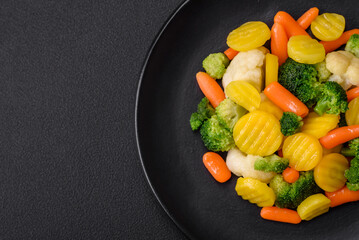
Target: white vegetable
[(246, 66), (243, 165)]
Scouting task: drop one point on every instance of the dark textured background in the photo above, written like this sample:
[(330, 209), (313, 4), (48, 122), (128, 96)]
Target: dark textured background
[(69, 164)]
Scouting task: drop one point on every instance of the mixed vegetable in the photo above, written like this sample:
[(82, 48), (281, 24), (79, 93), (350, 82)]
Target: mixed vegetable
[(288, 118)]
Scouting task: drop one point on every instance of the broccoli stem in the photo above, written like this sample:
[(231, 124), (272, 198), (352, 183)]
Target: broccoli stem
[(348, 152), (321, 107)]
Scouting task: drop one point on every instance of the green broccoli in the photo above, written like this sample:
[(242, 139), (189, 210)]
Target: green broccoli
[(333, 99), (272, 163), (290, 123), (215, 137), (228, 113), (352, 174), (353, 45), (323, 72), (215, 65), (290, 195), (301, 80), (204, 112), (352, 150)]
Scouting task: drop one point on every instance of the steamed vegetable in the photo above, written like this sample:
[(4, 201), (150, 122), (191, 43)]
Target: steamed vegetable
[(291, 26), (353, 45), (323, 72), (342, 196), (272, 163), (308, 17), (319, 126), (216, 166), (352, 174), (304, 49), (290, 123), (210, 88), (335, 44), (280, 215), (352, 115), (228, 113), (290, 175), (279, 42), (204, 112), (328, 26), (244, 94), (313, 206), (339, 136), (215, 65)]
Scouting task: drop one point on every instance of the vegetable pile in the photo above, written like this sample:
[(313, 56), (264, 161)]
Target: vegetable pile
[(288, 118)]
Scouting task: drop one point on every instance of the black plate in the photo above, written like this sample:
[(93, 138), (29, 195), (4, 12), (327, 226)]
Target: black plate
[(172, 154)]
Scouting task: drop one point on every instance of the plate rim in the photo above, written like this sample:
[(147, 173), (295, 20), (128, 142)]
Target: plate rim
[(144, 67)]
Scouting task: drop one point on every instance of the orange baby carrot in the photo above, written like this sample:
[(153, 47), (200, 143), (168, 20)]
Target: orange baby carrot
[(231, 53), (279, 42), (339, 136), (343, 39), (308, 17), (290, 175), (285, 99), (280, 215), (291, 26), (216, 166), (210, 88), (353, 93), (342, 196)]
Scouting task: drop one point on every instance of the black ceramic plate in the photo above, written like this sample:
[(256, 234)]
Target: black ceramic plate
[(172, 154)]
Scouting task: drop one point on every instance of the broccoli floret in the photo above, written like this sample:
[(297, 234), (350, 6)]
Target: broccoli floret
[(272, 163), (323, 72), (290, 123), (290, 195), (215, 64), (353, 45), (333, 99), (204, 112), (215, 136), (352, 174), (228, 113), (301, 80), (342, 120)]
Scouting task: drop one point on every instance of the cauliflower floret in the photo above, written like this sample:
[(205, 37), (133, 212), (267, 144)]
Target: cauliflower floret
[(246, 66), (243, 165), (345, 68)]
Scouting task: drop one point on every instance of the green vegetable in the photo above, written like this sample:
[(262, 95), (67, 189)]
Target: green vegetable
[(215, 137), (352, 150), (290, 195), (272, 163), (204, 112), (290, 123), (301, 80), (215, 65), (352, 174), (353, 45), (323, 72), (333, 99), (228, 113)]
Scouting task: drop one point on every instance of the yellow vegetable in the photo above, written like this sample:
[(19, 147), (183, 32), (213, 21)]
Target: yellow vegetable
[(244, 94), (271, 68), (329, 173), (352, 115), (303, 151), (255, 192), (268, 106), (336, 149), (328, 26), (304, 49), (249, 36), (313, 206), (258, 133), (319, 126)]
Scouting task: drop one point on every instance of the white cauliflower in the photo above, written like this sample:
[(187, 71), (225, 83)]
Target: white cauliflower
[(243, 165), (345, 68), (247, 66)]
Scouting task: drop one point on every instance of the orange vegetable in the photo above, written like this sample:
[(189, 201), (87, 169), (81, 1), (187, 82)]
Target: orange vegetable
[(280, 215), (290, 175), (216, 166), (342, 196), (339, 136), (353, 93), (231, 53), (210, 88), (279, 42), (285, 99), (307, 18), (291, 26), (343, 39)]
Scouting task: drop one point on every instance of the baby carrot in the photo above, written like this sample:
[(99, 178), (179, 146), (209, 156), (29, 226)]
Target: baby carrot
[(339, 136), (291, 26), (279, 42), (280, 215), (210, 88), (342, 196), (353, 93), (285, 99), (216, 166), (308, 17), (332, 45), (230, 53), (290, 175)]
